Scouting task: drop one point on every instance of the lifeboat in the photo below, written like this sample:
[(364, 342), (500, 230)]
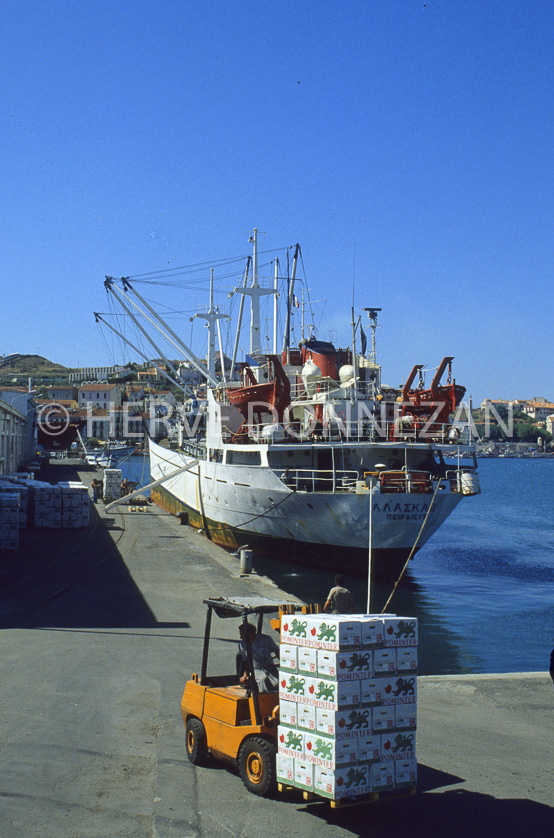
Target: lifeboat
[(258, 397)]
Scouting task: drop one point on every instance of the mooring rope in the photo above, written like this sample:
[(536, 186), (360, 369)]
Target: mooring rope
[(412, 551)]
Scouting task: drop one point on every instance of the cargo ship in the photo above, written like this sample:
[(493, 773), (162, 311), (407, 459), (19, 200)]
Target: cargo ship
[(309, 457)]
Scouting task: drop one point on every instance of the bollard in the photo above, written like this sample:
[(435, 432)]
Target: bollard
[(245, 560)]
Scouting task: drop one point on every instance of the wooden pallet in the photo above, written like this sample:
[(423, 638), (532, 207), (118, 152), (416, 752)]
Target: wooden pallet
[(345, 802)]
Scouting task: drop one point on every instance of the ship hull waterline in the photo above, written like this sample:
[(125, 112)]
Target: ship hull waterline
[(401, 517)]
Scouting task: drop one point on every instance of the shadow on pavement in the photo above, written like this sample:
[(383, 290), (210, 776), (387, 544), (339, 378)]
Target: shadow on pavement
[(455, 813), (74, 578)]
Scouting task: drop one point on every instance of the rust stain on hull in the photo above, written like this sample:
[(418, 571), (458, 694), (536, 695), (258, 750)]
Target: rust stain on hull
[(387, 562), (220, 534)]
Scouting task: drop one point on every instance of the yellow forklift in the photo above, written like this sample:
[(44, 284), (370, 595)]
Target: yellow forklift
[(226, 719)]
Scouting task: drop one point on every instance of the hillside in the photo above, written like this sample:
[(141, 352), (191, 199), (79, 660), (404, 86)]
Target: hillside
[(33, 365)]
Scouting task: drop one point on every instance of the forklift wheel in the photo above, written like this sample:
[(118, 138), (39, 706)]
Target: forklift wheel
[(256, 762), (197, 749)]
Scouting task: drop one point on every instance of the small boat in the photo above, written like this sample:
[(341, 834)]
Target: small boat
[(109, 455)]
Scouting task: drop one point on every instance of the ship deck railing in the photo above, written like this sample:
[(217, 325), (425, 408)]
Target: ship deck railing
[(194, 449), (319, 480), (384, 482), (345, 431), (327, 386)]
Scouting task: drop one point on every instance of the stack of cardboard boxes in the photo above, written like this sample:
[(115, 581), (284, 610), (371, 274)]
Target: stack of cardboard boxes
[(47, 505), (19, 486), (42, 505), (347, 696), (112, 484), (9, 521), (75, 505)]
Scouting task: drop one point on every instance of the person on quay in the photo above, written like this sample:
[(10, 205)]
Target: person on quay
[(264, 651), (340, 599), (96, 490)]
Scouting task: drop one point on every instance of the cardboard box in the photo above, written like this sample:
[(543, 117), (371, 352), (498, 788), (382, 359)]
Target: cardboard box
[(288, 657), (400, 631), (307, 660), (324, 750), (350, 781), (294, 630), (288, 713), (406, 659), (333, 695), (398, 745), (405, 716), (372, 691), (303, 774), (369, 748), (290, 742), (382, 719), (285, 769), (293, 687), (384, 661), (345, 666), (344, 724), (306, 717), (335, 632), (372, 631), (400, 689), (381, 776), (405, 773)]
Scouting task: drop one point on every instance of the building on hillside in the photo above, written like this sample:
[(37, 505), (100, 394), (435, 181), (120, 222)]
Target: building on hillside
[(98, 373), (539, 410), (515, 404), (163, 399), (550, 424), (152, 374), (519, 404), (63, 394), (100, 395), (162, 411), (115, 423), (134, 393), (189, 374)]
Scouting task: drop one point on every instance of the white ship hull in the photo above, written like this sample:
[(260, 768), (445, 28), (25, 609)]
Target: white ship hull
[(239, 505)]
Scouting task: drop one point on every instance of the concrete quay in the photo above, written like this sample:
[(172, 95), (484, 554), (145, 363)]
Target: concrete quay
[(100, 630)]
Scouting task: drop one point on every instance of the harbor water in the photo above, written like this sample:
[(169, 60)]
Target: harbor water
[(136, 468), (482, 587)]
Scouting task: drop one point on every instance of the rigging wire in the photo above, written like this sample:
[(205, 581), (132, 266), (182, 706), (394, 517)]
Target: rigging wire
[(412, 551), (153, 276)]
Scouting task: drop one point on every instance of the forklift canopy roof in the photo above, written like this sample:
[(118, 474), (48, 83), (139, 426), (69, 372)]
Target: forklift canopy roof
[(239, 606)]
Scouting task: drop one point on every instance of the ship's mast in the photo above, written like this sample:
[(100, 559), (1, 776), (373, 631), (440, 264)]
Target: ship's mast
[(255, 292), (275, 282), (372, 314), (213, 316), (290, 298)]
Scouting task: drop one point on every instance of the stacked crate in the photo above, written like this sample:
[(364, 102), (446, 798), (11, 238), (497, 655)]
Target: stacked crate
[(348, 690), (112, 484), (47, 505), (75, 505), (9, 521), (13, 485)]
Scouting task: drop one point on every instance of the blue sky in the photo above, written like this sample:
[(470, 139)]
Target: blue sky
[(407, 146)]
